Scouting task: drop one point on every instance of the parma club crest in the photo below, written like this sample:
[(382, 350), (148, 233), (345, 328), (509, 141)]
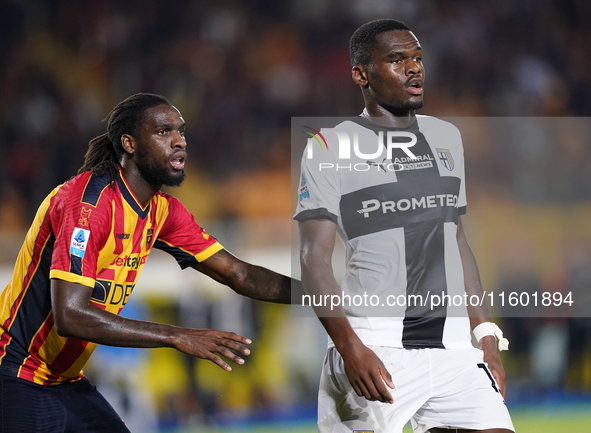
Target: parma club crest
[(446, 158)]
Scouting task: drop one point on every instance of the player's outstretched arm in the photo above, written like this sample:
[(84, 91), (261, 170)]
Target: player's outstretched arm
[(250, 280), (365, 371), (479, 314), (75, 316)]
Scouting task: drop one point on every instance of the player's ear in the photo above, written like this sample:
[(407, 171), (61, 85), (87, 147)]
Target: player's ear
[(129, 144), (359, 75)]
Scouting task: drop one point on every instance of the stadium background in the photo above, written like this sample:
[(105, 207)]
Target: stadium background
[(239, 71)]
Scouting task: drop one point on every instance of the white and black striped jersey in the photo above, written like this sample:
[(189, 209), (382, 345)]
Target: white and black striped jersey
[(398, 220)]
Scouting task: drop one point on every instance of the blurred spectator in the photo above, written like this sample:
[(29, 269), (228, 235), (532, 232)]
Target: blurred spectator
[(239, 73)]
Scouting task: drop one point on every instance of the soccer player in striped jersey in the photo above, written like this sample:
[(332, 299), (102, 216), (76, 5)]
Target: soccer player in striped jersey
[(81, 259), (399, 218)]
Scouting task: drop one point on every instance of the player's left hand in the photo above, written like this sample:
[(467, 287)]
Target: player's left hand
[(492, 357)]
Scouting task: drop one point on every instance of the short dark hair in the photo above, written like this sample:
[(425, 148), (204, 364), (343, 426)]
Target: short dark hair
[(105, 151), (364, 39)]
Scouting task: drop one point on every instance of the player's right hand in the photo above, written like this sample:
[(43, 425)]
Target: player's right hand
[(488, 345), (210, 343), (367, 374)]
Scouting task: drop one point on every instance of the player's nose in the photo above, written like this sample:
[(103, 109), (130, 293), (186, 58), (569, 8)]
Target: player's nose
[(178, 140), (413, 66)]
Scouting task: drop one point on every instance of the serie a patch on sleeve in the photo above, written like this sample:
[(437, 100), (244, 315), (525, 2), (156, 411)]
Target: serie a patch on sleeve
[(304, 191), (79, 242)]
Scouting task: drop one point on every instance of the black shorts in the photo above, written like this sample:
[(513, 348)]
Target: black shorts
[(73, 407)]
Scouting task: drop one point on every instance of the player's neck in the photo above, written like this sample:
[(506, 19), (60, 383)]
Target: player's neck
[(141, 189), (382, 116)]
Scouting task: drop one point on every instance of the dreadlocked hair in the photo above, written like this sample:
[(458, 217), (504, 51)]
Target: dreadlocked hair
[(105, 151)]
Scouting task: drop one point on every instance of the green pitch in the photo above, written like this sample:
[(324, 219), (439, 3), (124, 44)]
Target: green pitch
[(554, 419), (527, 421)]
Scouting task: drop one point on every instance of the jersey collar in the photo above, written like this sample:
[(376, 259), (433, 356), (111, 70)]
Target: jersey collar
[(365, 121), (129, 197)]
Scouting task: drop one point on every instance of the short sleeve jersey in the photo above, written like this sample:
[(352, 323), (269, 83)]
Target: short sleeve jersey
[(93, 232), (397, 216)]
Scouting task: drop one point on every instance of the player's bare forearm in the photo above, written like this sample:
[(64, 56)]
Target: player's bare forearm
[(318, 281), (250, 280), (317, 238), (265, 285), (477, 313), (488, 345), (363, 368), (365, 371), (75, 316)]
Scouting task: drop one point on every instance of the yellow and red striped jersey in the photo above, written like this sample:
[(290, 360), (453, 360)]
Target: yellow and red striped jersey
[(94, 232)]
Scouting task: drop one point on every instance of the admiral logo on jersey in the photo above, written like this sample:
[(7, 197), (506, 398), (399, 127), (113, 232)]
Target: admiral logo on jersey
[(421, 161)]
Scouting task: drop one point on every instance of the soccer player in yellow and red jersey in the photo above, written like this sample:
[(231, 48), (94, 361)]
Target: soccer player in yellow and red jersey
[(81, 259)]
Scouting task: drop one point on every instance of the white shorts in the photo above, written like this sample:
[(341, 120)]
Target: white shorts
[(433, 388)]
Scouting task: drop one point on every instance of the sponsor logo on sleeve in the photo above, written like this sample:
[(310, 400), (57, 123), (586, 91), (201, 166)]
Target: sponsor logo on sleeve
[(304, 192), (79, 242)]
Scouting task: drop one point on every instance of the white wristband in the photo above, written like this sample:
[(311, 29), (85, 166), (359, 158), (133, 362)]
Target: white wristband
[(489, 328)]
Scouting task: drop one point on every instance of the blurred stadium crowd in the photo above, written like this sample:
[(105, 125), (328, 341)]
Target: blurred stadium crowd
[(239, 71)]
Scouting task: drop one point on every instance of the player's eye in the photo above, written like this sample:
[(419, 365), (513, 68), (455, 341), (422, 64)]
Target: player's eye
[(162, 132)]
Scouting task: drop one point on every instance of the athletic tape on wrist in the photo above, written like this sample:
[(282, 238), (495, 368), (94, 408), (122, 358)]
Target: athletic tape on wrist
[(489, 328)]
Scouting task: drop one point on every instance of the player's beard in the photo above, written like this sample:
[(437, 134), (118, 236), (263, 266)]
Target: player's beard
[(404, 107), (155, 173), (415, 105)]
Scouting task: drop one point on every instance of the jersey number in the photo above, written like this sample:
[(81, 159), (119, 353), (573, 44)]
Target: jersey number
[(490, 376)]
